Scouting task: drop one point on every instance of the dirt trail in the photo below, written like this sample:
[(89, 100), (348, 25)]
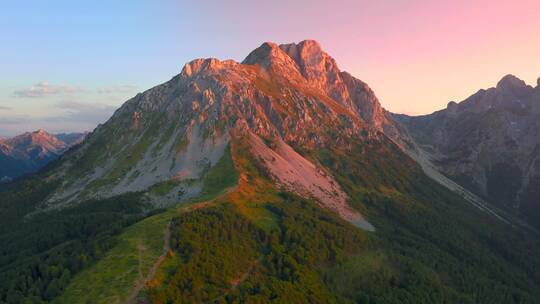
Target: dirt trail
[(141, 282)]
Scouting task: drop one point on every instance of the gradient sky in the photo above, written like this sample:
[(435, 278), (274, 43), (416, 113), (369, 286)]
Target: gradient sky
[(66, 66)]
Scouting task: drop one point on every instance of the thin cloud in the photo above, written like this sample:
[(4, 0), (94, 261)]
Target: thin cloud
[(44, 88), (84, 112), (5, 108), (14, 120), (117, 89)]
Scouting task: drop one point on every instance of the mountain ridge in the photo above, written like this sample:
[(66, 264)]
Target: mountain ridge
[(280, 93), (491, 135)]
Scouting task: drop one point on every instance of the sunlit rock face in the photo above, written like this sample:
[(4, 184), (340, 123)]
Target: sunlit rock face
[(291, 94)]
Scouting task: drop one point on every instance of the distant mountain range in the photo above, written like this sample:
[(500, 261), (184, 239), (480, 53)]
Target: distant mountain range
[(488, 143), (29, 152)]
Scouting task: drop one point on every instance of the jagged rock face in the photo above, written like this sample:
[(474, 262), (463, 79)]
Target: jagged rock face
[(31, 151), (321, 71), (293, 93), (489, 142)]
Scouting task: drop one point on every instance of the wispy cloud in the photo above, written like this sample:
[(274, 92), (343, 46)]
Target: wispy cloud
[(3, 108), (127, 88), (14, 120), (44, 88), (85, 112)]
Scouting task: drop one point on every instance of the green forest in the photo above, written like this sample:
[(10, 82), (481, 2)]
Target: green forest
[(41, 252)]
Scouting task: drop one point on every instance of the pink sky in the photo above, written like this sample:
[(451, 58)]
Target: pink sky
[(416, 55)]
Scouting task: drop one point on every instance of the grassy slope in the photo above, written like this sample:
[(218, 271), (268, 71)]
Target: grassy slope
[(112, 278)]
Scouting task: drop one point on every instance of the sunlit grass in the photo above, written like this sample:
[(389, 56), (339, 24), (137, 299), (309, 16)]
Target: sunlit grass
[(112, 278)]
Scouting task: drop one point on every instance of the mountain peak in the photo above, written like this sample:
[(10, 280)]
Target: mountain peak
[(264, 53), (511, 82), (42, 135), (313, 46), (270, 56), (312, 61), (306, 51), (307, 63), (39, 137), (41, 132), (306, 57), (204, 64)]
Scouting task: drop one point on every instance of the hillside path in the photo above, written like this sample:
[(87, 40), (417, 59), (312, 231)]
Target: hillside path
[(141, 282), (152, 272)]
